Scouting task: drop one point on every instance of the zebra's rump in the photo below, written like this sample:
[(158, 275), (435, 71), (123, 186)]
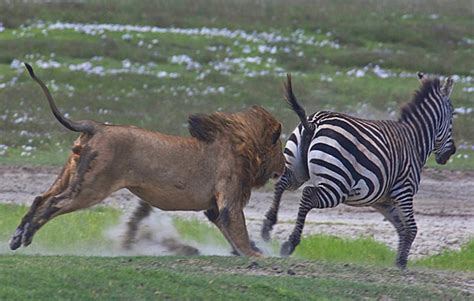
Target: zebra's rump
[(296, 155), (350, 158)]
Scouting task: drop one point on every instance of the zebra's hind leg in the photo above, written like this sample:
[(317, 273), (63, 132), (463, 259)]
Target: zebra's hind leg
[(404, 223), (313, 197), (271, 216)]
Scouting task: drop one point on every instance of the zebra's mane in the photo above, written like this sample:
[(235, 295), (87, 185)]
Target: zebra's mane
[(419, 97)]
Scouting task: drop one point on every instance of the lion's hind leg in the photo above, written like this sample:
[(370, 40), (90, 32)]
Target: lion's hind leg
[(76, 188), (59, 186)]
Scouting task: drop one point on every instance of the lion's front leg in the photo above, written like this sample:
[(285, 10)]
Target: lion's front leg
[(237, 231), (221, 220), (229, 218)]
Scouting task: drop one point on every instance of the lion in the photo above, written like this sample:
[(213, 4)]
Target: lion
[(214, 170)]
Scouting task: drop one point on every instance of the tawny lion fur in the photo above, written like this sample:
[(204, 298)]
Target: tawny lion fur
[(213, 170)]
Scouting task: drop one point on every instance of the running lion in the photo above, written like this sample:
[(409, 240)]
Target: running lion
[(213, 170)]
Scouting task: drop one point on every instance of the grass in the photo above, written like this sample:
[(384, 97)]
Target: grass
[(84, 232), (399, 36), (217, 278), (198, 231), (325, 267), (368, 251), (462, 260), (76, 233), (335, 249), (462, 160), (53, 157)]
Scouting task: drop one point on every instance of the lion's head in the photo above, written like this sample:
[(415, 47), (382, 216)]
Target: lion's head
[(255, 138)]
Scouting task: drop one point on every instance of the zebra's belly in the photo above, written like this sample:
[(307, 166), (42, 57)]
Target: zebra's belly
[(361, 195)]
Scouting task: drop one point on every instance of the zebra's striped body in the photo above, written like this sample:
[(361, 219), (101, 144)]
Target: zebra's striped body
[(358, 162), (355, 159)]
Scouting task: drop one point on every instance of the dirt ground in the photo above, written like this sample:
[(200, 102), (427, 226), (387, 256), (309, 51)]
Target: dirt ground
[(444, 209)]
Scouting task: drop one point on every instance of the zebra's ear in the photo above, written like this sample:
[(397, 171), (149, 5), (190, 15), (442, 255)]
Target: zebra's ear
[(447, 87), (422, 77)]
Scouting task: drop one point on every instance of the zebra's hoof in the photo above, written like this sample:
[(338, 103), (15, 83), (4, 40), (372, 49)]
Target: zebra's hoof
[(286, 249), (401, 265)]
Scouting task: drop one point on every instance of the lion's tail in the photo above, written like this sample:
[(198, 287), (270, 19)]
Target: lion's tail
[(295, 106), (83, 126)]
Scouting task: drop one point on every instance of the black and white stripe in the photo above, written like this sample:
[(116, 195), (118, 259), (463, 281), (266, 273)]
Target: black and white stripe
[(359, 162)]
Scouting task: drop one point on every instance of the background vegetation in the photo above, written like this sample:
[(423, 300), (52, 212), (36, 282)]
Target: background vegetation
[(358, 57)]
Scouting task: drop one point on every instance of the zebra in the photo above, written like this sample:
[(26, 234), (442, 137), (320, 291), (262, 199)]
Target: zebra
[(360, 162)]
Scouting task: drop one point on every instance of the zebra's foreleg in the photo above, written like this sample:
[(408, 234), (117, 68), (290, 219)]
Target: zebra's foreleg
[(400, 215), (392, 214), (313, 197), (406, 240), (271, 216)]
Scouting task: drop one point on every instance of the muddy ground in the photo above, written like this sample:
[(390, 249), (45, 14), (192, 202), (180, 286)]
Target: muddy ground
[(444, 209)]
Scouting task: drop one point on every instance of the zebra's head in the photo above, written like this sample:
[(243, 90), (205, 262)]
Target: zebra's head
[(444, 146)]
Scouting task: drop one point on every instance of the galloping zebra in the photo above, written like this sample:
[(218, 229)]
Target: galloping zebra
[(361, 162)]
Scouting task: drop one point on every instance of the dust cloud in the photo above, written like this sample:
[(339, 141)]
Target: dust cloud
[(157, 236)]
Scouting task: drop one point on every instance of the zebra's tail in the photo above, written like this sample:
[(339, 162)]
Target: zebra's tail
[(295, 106), (83, 126)]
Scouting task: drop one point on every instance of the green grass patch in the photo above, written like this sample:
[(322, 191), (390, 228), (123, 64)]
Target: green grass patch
[(212, 278), (80, 232), (83, 232), (332, 248), (463, 159), (52, 157), (369, 251), (462, 260), (323, 267), (198, 231)]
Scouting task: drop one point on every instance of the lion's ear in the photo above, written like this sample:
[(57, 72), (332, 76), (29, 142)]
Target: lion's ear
[(276, 134)]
